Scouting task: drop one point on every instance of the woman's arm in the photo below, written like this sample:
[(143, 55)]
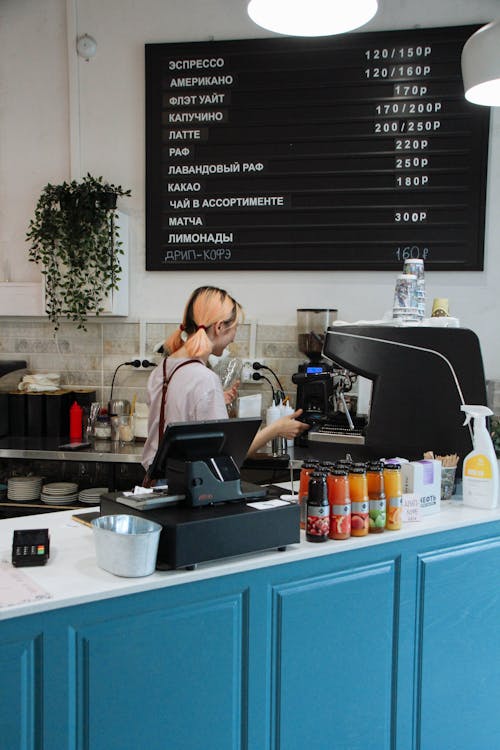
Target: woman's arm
[(288, 427)]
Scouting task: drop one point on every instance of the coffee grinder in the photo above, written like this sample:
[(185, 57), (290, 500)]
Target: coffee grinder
[(314, 379)]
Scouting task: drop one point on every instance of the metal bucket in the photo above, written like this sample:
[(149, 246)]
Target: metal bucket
[(126, 545)]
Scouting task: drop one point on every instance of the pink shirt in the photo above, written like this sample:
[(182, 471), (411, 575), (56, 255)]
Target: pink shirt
[(193, 395)]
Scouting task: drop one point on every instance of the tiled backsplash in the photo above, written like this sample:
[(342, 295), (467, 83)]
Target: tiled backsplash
[(88, 359)]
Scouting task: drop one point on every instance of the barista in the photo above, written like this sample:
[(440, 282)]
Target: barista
[(193, 391)]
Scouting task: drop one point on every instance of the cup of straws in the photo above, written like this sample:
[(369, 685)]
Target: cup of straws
[(448, 473)]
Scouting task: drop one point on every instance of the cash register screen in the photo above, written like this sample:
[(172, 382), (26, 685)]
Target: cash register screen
[(190, 441)]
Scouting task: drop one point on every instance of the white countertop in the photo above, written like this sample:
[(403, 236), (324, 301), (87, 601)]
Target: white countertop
[(71, 576)]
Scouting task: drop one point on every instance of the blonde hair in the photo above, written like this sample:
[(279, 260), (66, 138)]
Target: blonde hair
[(206, 306)]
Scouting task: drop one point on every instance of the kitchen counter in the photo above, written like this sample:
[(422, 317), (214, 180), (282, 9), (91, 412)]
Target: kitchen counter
[(48, 449), (72, 576), (279, 646)]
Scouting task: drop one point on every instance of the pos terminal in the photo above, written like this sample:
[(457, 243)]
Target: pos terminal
[(216, 514)]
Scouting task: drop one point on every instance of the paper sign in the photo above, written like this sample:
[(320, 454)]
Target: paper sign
[(411, 507), (265, 504), (18, 588)]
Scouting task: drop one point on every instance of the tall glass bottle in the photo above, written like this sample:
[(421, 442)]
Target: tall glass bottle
[(318, 509), (340, 504), (358, 490), (376, 497), (305, 473), (393, 493)]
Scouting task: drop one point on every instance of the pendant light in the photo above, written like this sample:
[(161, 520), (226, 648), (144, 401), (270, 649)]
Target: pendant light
[(481, 66), (311, 17)]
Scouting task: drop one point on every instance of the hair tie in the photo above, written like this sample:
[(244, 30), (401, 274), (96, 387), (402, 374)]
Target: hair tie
[(181, 327), (204, 328)]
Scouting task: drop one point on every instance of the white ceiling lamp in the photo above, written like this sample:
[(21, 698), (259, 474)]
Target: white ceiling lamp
[(311, 17), (481, 66), (86, 46)]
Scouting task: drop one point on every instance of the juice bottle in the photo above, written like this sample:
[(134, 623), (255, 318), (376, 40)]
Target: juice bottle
[(376, 497), (393, 493), (337, 484), (358, 491), (305, 472), (318, 509)]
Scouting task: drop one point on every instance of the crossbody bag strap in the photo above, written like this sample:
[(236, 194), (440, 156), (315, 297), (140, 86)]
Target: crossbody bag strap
[(166, 381)]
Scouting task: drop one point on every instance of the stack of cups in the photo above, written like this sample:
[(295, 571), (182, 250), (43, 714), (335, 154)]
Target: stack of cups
[(405, 306), (415, 266)]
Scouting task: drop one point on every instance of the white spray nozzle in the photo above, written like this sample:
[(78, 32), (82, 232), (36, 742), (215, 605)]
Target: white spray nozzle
[(475, 410)]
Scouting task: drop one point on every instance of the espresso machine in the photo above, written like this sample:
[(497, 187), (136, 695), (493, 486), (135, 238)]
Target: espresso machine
[(321, 387), (420, 377)]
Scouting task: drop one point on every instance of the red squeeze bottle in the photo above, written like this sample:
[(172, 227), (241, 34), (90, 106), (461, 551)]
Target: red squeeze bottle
[(75, 422)]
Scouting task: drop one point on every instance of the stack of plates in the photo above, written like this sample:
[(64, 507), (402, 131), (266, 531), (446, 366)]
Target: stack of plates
[(92, 496), (59, 493), (24, 489)]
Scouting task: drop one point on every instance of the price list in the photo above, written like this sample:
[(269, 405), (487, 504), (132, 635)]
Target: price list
[(350, 153)]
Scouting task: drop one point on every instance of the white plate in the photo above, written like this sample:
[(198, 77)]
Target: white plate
[(23, 499), (49, 500), (24, 480), (60, 488)]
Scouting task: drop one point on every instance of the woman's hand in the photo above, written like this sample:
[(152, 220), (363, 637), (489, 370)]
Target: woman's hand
[(231, 393), (289, 426)]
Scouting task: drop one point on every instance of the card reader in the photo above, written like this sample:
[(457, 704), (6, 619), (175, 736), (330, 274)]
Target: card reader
[(30, 547)]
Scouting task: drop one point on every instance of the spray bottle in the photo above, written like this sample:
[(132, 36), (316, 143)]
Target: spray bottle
[(480, 468)]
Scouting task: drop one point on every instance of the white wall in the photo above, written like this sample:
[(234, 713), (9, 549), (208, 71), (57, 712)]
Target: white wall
[(61, 116)]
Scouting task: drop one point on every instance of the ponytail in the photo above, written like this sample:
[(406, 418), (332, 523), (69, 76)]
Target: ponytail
[(206, 306)]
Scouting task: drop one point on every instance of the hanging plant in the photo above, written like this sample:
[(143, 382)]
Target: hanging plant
[(75, 238), (495, 433)]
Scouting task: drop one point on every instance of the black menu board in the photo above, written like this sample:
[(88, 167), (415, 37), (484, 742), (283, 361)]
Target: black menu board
[(352, 152)]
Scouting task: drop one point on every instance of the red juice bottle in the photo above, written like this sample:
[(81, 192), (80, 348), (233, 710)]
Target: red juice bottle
[(318, 509), (340, 504), (305, 472)]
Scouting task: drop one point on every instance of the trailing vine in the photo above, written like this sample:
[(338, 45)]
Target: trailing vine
[(74, 237), (495, 433)]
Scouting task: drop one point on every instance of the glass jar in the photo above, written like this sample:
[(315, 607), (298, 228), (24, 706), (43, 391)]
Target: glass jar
[(102, 428)]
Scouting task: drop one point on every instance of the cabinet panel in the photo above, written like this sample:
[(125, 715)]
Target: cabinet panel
[(334, 656), (20, 695), (174, 678), (459, 648)]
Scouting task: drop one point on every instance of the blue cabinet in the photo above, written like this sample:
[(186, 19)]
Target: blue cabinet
[(458, 647), (21, 696), (385, 647), (333, 665)]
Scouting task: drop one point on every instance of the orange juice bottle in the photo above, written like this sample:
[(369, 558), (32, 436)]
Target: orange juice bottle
[(340, 504), (393, 493), (376, 497), (358, 491)]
